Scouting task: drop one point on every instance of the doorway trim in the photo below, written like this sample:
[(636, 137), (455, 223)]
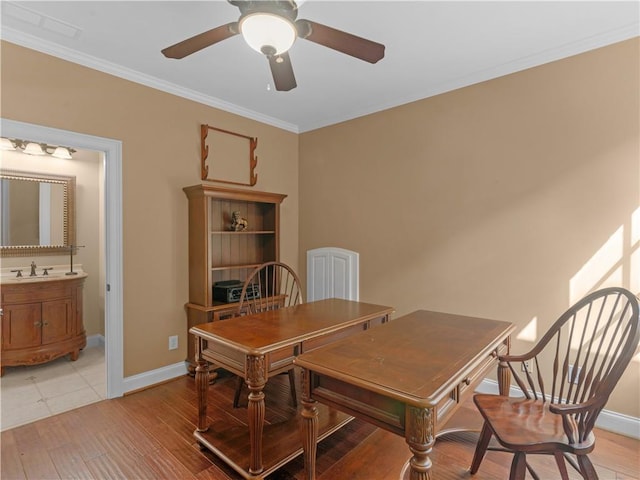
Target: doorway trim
[(112, 150)]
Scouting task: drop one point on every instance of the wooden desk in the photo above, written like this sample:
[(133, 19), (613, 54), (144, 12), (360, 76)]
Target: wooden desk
[(408, 377), (257, 347)]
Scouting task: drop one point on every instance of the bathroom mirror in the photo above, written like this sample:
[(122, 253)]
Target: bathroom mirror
[(37, 213)]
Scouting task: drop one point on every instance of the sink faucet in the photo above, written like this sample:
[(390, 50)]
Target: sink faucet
[(33, 269)]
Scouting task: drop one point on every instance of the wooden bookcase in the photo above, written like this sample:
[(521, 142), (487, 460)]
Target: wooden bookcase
[(217, 253)]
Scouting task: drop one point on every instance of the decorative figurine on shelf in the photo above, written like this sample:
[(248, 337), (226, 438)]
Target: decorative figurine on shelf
[(238, 223)]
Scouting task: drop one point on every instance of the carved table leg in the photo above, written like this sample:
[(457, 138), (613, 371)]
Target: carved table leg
[(309, 428), (419, 434), (256, 380), (202, 384), (504, 374)]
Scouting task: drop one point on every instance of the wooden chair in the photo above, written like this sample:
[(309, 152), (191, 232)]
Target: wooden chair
[(572, 371), (279, 287)]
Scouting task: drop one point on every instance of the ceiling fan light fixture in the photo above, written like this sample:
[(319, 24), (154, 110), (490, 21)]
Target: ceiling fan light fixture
[(268, 30)]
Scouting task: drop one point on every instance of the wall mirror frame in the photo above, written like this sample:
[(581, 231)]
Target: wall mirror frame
[(68, 214)]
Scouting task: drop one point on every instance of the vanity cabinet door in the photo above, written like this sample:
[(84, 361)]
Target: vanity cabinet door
[(57, 321), (21, 326)]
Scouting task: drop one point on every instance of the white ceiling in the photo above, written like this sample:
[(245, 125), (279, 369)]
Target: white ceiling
[(431, 47)]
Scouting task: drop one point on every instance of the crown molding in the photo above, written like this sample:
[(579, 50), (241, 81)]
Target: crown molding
[(547, 56), (574, 48), (34, 43)]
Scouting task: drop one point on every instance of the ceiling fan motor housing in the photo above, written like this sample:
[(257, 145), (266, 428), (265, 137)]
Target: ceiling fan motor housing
[(268, 27), (286, 9)]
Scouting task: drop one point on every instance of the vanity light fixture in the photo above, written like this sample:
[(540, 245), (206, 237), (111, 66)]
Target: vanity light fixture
[(6, 144), (62, 152), (35, 148)]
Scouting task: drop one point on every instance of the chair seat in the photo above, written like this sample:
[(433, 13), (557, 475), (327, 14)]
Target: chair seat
[(521, 424)]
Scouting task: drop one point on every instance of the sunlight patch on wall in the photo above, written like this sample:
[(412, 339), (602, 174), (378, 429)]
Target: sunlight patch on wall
[(634, 280), (634, 260), (530, 332), (635, 228), (598, 267)]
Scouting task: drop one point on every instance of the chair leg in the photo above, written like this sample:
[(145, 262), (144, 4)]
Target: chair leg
[(481, 447), (518, 466), (236, 395), (292, 385), (586, 468), (562, 466)]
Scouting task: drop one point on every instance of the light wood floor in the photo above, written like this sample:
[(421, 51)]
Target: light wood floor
[(148, 435)]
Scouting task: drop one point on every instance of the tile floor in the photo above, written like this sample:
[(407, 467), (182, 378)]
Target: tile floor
[(34, 392)]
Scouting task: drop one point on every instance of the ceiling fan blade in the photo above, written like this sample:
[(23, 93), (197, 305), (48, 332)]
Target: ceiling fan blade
[(282, 72), (200, 41), (344, 42)]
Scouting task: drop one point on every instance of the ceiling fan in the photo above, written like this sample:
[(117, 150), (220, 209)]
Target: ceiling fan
[(271, 28)]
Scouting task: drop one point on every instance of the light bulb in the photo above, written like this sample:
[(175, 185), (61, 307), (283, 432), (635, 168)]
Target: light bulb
[(6, 144), (62, 152), (34, 149), (267, 30)]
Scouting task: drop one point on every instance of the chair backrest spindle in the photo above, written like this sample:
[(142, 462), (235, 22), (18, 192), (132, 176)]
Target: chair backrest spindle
[(278, 286)]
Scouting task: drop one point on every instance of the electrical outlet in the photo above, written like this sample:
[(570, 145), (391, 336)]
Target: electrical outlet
[(525, 367), (571, 378), (173, 342)]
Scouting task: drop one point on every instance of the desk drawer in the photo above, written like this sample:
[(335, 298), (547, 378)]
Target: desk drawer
[(225, 357), (374, 322), (445, 406), (467, 386), (283, 357), (313, 343)]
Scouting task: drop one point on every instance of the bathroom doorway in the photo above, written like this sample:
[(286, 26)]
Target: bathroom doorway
[(110, 153)]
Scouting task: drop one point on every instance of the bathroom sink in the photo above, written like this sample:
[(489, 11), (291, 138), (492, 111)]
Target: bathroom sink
[(56, 273)]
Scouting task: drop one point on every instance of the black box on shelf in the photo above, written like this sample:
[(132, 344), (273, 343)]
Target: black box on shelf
[(229, 291)]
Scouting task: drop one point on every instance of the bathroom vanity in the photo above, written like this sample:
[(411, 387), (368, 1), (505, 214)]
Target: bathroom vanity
[(41, 318)]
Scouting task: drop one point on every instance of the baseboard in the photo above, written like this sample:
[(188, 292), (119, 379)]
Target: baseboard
[(95, 341), (607, 420), (146, 379), (153, 377)]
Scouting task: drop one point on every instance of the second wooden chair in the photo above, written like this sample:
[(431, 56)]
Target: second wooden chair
[(568, 377)]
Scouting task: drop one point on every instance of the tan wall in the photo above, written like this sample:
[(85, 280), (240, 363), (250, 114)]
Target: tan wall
[(508, 199), (161, 154), (86, 167), (492, 200)]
